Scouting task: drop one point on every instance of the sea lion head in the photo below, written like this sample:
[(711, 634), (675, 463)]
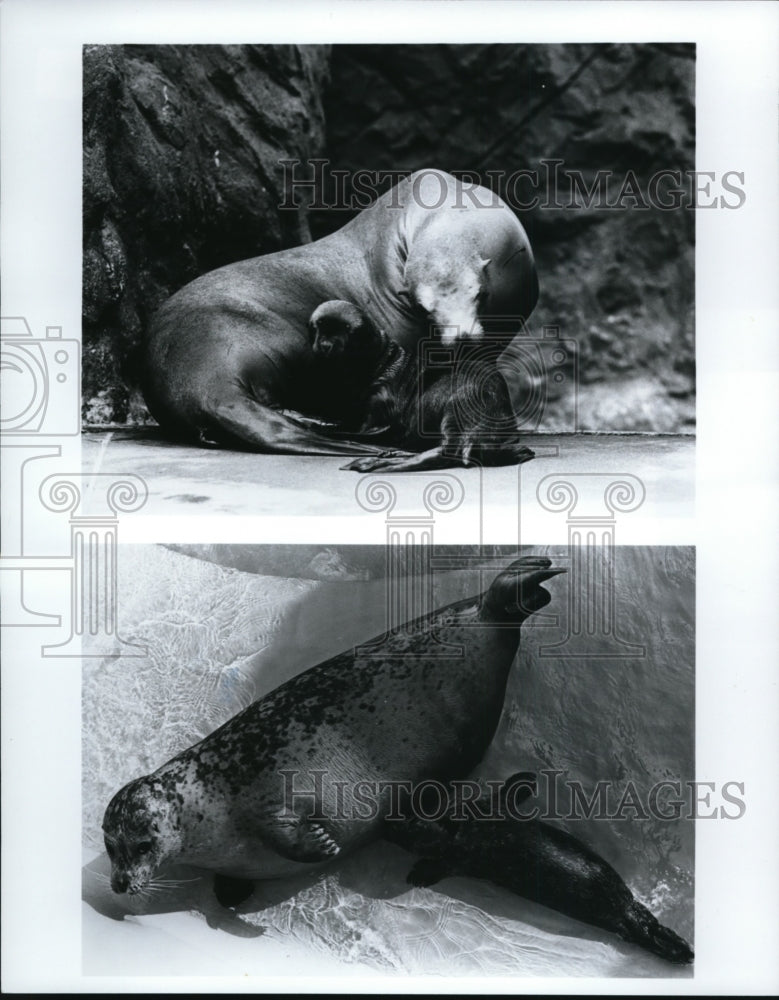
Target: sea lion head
[(141, 830), (517, 592), (454, 297)]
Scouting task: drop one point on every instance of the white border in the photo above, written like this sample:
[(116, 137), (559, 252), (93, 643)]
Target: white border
[(737, 867)]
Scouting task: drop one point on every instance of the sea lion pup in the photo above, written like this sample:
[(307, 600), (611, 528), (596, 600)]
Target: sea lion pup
[(462, 409), (360, 363), (309, 771), (379, 386), (534, 860)]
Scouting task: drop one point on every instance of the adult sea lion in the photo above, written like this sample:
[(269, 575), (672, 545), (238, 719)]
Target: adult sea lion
[(230, 351), (309, 771), (534, 860)]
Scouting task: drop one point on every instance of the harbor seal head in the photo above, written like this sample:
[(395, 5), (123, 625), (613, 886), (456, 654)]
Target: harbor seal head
[(141, 830)]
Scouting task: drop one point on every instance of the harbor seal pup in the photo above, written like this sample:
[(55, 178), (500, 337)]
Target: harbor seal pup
[(228, 357), (535, 860), (308, 772)]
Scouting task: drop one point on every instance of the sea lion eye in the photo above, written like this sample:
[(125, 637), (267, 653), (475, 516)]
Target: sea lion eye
[(144, 847)]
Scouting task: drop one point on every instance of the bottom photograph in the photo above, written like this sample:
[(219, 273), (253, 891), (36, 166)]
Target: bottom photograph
[(341, 760)]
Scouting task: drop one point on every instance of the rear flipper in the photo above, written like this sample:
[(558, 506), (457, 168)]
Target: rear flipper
[(333, 429), (441, 458), (424, 461), (261, 428), (639, 926)]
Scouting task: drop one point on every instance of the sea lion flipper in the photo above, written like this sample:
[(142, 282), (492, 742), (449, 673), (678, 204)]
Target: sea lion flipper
[(428, 871), (399, 461), (300, 839), (520, 786), (303, 420)]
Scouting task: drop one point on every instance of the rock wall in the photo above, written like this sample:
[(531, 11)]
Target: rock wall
[(181, 174)]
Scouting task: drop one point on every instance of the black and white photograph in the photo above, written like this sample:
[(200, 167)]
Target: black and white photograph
[(387, 258), (293, 762), (389, 475)]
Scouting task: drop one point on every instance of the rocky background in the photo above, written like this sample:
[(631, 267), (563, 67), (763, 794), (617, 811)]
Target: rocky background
[(181, 175), (182, 151)]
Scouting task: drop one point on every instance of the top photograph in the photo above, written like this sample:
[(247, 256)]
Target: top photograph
[(307, 262)]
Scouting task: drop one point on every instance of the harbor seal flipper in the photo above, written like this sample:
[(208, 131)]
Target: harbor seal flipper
[(300, 838), (294, 837), (420, 702), (537, 861), (232, 892)]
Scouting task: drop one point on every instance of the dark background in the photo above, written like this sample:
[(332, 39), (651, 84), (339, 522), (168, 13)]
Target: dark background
[(181, 174)]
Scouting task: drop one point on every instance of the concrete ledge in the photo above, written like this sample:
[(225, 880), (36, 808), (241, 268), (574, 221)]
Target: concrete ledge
[(187, 480)]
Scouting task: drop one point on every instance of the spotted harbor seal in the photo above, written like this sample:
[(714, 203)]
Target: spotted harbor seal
[(307, 772), (534, 860), (228, 357)]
